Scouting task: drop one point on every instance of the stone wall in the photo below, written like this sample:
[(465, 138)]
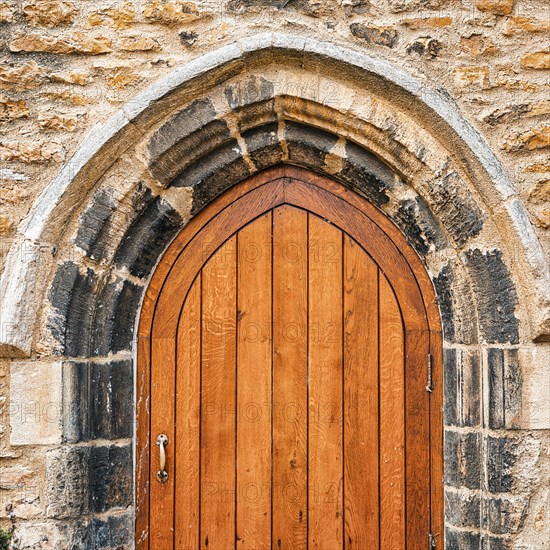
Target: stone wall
[(67, 66)]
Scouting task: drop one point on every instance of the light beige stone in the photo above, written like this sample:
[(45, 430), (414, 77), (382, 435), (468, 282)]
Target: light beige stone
[(12, 109), (139, 43), (498, 7), (35, 403), (7, 10), (172, 12), (78, 42), (517, 25), (31, 151), (24, 76), (49, 13), (535, 364), (536, 60)]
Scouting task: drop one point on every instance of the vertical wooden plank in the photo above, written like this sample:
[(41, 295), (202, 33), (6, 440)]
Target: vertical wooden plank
[(361, 407), (392, 420), (254, 385), (163, 357), (436, 438), (289, 493), (186, 461), (325, 441), (218, 415), (417, 439)]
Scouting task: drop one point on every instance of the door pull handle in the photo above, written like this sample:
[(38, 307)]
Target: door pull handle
[(162, 474)]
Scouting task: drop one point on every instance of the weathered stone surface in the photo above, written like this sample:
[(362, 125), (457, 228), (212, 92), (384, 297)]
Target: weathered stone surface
[(72, 296), (49, 13), (58, 122), (462, 455), (519, 25), (116, 308), (263, 145), (462, 509), (188, 38), (139, 43), (173, 12), (7, 11), (398, 6), (471, 77), (111, 533), (119, 16), (308, 146), (536, 60), (538, 138), (31, 151), (67, 481), (420, 226), (535, 400), (427, 22), (12, 109), (78, 42), (461, 540), (505, 388), (478, 44), (462, 384), (253, 90), (147, 237), (496, 296), (425, 45), (498, 7), (111, 393), (511, 113), (505, 514), (35, 403), (24, 76), (76, 402), (371, 34), (110, 477), (78, 77)]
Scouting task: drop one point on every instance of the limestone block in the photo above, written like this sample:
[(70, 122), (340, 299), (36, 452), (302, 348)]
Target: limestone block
[(497, 7), (49, 13), (12, 109), (535, 365), (24, 76), (35, 403)]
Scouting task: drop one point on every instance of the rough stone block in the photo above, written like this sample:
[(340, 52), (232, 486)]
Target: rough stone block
[(111, 533), (147, 238), (496, 296), (462, 455), (35, 403), (372, 34), (252, 90), (462, 381), (67, 474), (535, 401), (76, 416), (461, 540), (72, 295), (505, 515), (504, 388), (111, 407), (116, 308), (462, 509), (263, 145), (367, 174), (110, 477)]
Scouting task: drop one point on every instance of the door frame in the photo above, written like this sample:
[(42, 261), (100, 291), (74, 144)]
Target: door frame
[(434, 375)]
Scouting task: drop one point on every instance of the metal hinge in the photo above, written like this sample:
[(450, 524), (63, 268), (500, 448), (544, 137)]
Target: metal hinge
[(431, 542), (429, 386)]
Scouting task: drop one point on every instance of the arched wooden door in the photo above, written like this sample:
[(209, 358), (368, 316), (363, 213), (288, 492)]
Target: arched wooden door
[(288, 337)]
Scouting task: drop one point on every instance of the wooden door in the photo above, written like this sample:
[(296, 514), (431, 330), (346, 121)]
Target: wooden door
[(288, 345)]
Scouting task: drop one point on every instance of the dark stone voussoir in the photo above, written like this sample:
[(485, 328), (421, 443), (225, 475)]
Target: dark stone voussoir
[(252, 90), (110, 477), (496, 296), (76, 402), (147, 238), (264, 147), (504, 515), (72, 296), (462, 456), (307, 145), (116, 309), (366, 174), (502, 455), (461, 540), (462, 510)]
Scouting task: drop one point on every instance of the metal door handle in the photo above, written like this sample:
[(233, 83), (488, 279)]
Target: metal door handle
[(162, 474)]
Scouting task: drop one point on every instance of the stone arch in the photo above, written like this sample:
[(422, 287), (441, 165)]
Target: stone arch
[(92, 239)]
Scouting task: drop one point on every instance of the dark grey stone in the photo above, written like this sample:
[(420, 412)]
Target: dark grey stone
[(489, 542), (67, 478), (374, 35), (188, 38), (110, 477), (419, 225), (462, 381), (111, 533), (76, 414), (461, 540), (504, 515), (264, 147), (444, 293), (147, 238), (505, 382), (72, 296), (111, 407), (462, 456), (308, 146), (116, 309), (501, 457), (462, 510), (366, 174), (495, 296)]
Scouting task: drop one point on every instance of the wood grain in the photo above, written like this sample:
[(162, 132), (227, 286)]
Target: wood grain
[(289, 507), (361, 406), (218, 400), (187, 403), (392, 420), (254, 361), (325, 441)]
